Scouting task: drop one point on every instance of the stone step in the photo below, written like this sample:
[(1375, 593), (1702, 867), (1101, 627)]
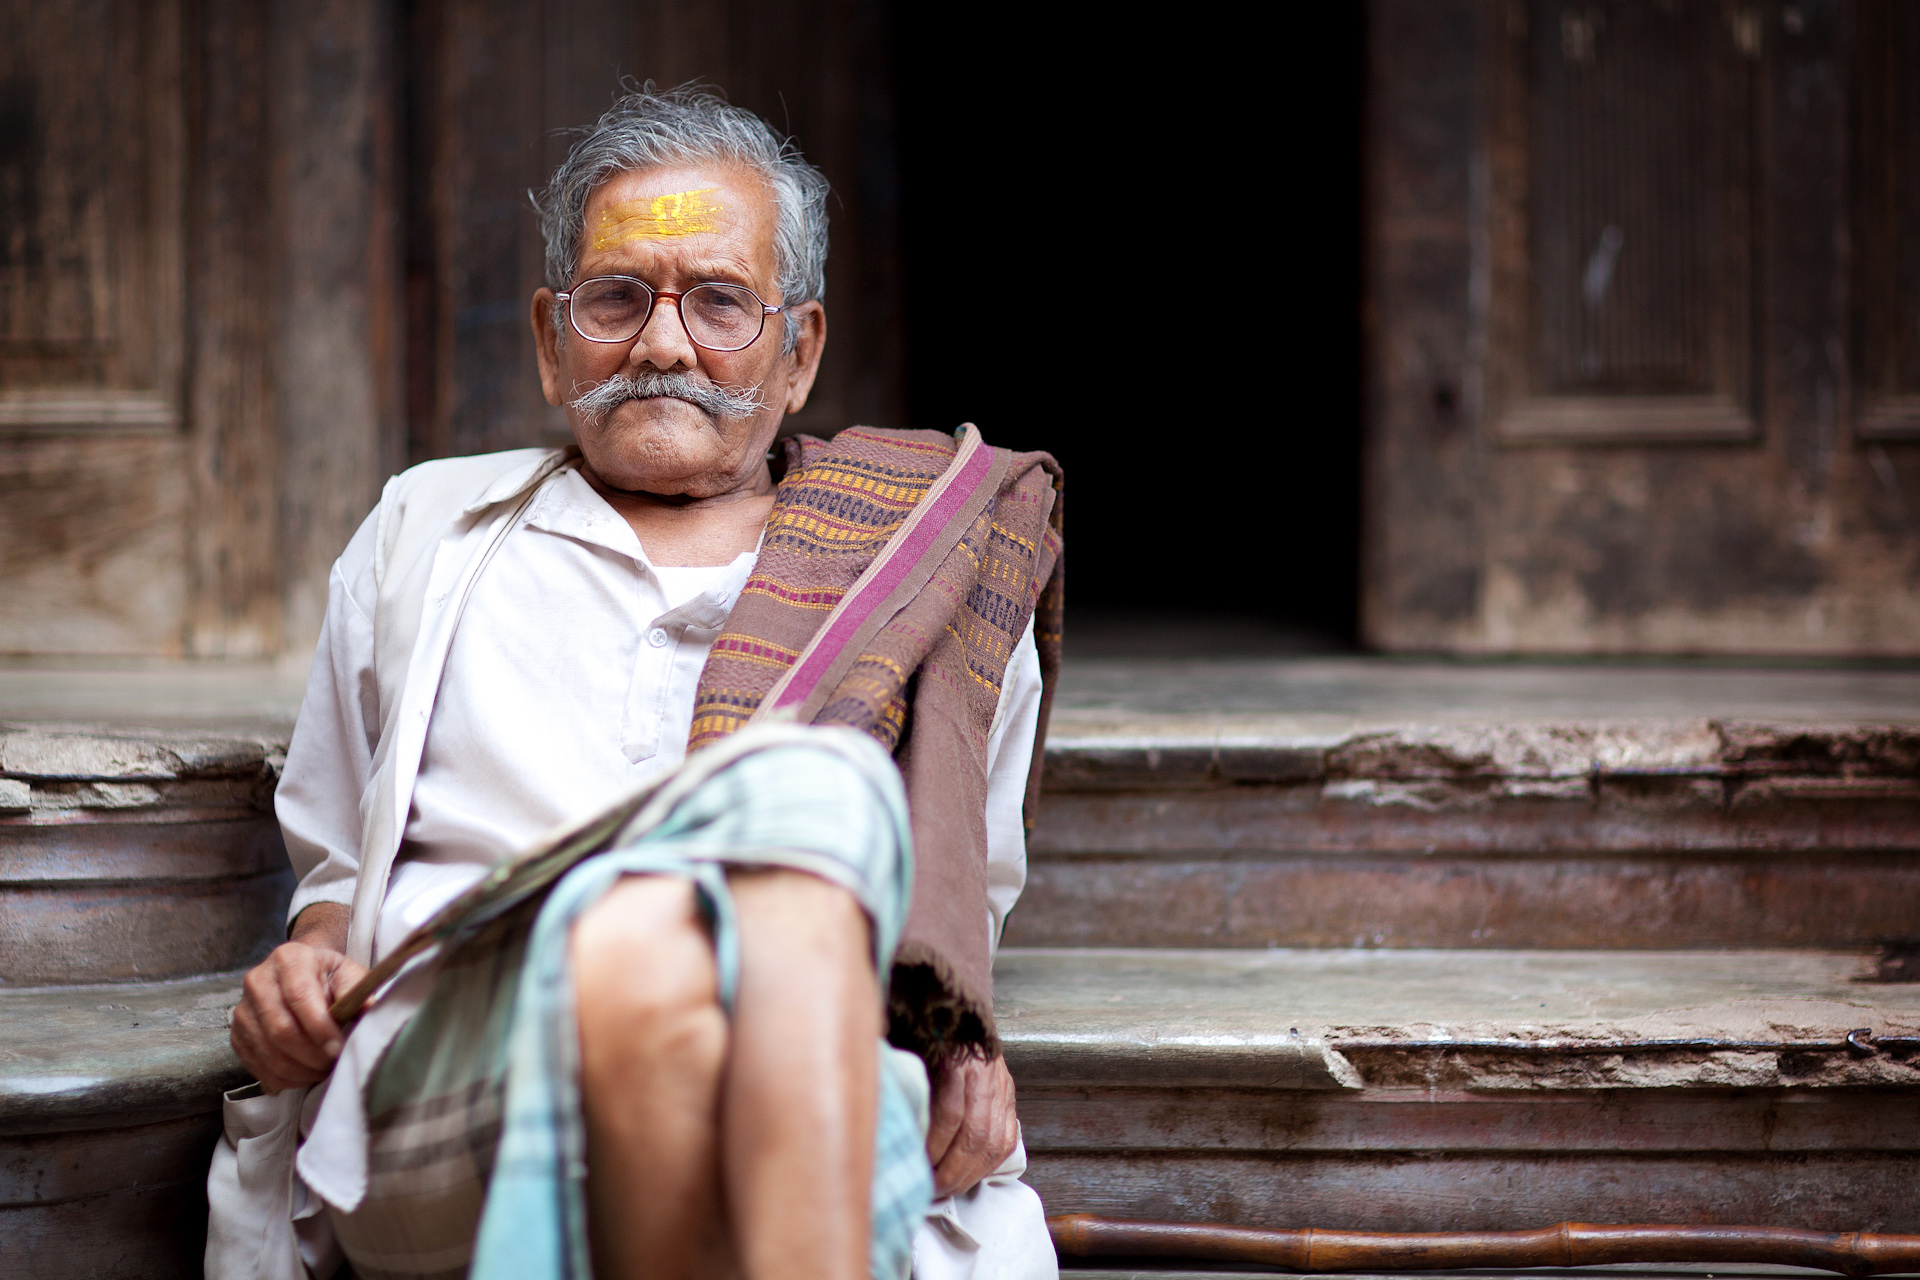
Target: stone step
[(137, 854), (109, 1110), (1340, 803), (1391, 1090), (1466, 1090), (1211, 805), (1301, 803)]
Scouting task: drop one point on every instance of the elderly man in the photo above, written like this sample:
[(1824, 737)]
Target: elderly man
[(653, 1045)]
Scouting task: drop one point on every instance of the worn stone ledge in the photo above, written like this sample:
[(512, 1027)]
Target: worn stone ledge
[(1485, 1190), (108, 1056), (140, 849), (140, 893), (60, 773), (1411, 898), (1385, 1119), (1157, 725), (1086, 752), (1186, 1058), (1370, 818), (1501, 1021), (139, 931), (100, 753), (1173, 724)]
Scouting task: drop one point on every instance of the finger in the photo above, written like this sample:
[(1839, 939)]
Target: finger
[(277, 1072), (273, 1069), (948, 1109), (306, 986), (250, 1042), (263, 1009), (964, 1163), (259, 1055), (990, 1133), (345, 977), (282, 1030), (1006, 1113), (241, 1035), (961, 1169)]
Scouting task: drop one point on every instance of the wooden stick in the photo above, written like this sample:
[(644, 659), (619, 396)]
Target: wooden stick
[(1570, 1244), (503, 887)]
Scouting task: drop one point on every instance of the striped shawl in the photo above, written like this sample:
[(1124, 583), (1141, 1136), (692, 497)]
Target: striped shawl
[(915, 648)]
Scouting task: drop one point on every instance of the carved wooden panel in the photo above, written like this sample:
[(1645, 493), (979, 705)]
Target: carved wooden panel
[(93, 490), (198, 317), (90, 202), (1888, 220), (495, 86), (1775, 310), (1619, 221)]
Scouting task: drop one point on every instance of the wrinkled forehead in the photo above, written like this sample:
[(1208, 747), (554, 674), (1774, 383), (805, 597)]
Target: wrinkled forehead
[(679, 205), (667, 216)]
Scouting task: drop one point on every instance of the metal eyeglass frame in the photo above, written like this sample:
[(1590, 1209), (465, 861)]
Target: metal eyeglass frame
[(654, 295)]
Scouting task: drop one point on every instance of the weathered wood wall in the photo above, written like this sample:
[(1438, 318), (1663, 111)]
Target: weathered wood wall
[(1639, 300), (198, 384), (493, 88), (256, 256), (1643, 374), (93, 460)]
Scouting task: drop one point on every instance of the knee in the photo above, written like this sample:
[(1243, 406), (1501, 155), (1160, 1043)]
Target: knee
[(806, 938), (798, 912), (645, 986)]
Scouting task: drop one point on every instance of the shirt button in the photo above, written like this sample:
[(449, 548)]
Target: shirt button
[(656, 637)]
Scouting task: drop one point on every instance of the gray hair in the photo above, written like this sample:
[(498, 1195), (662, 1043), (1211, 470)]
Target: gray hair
[(690, 124)]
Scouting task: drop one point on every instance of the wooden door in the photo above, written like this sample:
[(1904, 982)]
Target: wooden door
[(1641, 351), (199, 320), (93, 460), (496, 89), (256, 256)]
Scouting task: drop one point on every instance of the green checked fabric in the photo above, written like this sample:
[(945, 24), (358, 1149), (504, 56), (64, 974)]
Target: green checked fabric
[(477, 1144)]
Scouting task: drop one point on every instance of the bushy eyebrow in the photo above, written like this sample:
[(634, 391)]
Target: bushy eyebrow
[(708, 271), (719, 273)]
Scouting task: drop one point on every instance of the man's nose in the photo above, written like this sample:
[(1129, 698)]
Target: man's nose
[(663, 341)]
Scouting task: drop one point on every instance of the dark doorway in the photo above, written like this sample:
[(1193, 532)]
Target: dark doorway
[(1138, 249)]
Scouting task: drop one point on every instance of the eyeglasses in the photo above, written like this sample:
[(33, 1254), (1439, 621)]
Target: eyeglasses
[(718, 317)]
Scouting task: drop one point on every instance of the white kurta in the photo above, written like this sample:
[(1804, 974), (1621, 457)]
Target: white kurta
[(571, 678)]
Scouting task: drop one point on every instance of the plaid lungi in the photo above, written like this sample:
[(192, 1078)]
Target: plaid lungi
[(477, 1145)]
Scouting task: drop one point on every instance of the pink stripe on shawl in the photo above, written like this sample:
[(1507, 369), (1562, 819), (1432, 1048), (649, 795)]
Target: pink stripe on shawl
[(898, 563)]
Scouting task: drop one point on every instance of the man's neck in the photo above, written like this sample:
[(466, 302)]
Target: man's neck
[(677, 529)]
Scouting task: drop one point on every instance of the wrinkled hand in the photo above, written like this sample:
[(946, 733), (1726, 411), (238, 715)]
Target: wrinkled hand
[(973, 1127), (282, 1030)]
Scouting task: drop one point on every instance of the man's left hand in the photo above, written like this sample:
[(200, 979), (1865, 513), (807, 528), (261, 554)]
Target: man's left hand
[(973, 1128)]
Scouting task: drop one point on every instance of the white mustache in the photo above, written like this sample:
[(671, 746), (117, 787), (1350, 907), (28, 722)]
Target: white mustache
[(595, 403)]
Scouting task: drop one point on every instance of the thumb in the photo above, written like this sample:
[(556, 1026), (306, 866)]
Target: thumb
[(342, 977)]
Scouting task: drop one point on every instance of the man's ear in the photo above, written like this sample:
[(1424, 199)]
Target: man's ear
[(804, 361), (546, 346)]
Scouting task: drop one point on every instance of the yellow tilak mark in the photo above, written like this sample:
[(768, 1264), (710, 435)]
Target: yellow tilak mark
[(679, 213)]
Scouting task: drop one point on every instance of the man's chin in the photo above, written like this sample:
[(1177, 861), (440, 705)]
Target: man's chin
[(655, 412), (658, 445)]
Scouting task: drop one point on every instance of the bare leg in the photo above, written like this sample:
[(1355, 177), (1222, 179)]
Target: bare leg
[(653, 1047), (801, 1093), (782, 1118)]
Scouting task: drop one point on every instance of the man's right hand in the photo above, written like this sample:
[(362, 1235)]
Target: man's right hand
[(281, 1029)]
